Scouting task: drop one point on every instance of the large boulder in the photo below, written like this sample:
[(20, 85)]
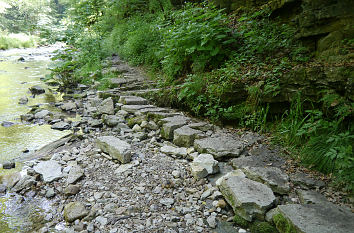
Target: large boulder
[(313, 218), (249, 199), (115, 147)]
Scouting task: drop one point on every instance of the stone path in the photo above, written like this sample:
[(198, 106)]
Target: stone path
[(141, 168)]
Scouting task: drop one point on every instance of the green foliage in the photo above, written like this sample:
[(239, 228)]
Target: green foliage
[(8, 41), (195, 38)]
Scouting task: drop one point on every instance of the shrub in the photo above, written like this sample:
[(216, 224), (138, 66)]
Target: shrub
[(195, 38)]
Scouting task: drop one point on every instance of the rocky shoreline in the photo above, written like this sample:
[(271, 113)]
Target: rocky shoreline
[(131, 166)]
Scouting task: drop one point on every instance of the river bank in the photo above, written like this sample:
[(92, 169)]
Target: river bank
[(133, 166)]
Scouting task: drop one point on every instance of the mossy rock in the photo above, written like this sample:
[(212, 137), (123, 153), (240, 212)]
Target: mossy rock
[(262, 227), (283, 225), (241, 222), (134, 120)]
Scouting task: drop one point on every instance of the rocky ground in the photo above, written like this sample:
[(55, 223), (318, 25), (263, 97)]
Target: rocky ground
[(131, 166)]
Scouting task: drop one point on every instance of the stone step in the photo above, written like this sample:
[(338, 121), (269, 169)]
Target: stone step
[(220, 147), (249, 199), (132, 100)]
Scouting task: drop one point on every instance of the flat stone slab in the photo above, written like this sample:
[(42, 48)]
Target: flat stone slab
[(75, 174), (158, 115), (179, 152), (313, 218), (179, 118), (115, 147), (135, 108), (132, 100), (219, 147), (61, 126), (249, 199), (185, 136), (50, 170), (273, 177)]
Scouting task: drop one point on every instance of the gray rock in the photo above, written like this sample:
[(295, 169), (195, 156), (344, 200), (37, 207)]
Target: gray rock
[(61, 126), (111, 120), (305, 181), (198, 171), (273, 177), (211, 220), (208, 162), (185, 136), (69, 106), (42, 114), (102, 220), (27, 117), (75, 174), (237, 172), (74, 210), (24, 183), (135, 108), (151, 125), (8, 165), (50, 170), (96, 123), (106, 107), (311, 197), (219, 147), (167, 201), (23, 100), (115, 147), (37, 90), (313, 218), (50, 193), (7, 123), (179, 152), (132, 100), (249, 199), (71, 190)]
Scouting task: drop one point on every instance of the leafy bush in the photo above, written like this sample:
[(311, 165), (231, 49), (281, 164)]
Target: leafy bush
[(195, 38)]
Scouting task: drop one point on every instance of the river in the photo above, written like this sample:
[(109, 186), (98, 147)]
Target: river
[(16, 77)]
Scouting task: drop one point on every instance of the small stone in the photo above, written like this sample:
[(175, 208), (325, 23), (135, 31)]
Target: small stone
[(101, 220), (37, 90), (167, 201), (208, 162), (50, 193), (176, 174), (61, 126), (23, 100), (71, 190), (242, 230), (8, 165), (212, 221), (74, 210), (198, 171), (136, 128), (75, 174), (115, 147)]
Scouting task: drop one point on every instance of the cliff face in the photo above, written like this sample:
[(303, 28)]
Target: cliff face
[(326, 27)]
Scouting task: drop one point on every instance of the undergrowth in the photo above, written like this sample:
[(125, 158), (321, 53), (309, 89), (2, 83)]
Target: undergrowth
[(219, 66), (8, 41)]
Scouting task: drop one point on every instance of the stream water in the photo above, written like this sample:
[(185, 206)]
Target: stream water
[(16, 77)]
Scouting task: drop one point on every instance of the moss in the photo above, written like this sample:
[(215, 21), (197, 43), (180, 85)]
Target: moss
[(283, 225), (241, 222), (134, 120), (262, 227)]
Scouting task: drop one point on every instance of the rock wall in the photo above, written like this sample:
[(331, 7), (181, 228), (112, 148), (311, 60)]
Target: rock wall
[(325, 27)]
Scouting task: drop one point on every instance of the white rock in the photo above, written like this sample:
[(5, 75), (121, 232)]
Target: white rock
[(50, 170)]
